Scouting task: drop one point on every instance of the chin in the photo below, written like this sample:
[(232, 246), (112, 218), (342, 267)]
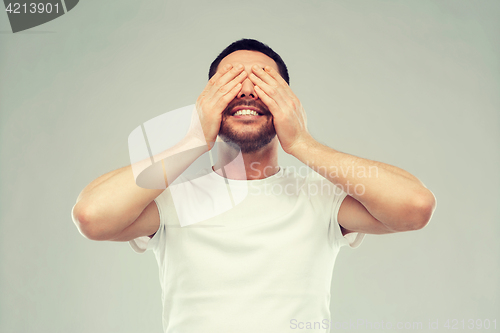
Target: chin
[(247, 142)]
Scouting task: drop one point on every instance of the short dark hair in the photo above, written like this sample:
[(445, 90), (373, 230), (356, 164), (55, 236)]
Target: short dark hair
[(251, 45)]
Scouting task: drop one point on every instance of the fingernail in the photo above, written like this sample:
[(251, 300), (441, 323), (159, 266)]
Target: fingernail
[(255, 67), (228, 66), (239, 66)]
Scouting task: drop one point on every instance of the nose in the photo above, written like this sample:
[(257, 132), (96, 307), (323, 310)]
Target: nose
[(247, 90)]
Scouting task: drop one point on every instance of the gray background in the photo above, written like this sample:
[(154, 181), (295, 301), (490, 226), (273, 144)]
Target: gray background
[(410, 83)]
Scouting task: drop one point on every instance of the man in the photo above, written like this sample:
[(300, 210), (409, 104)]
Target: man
[(265, 263)]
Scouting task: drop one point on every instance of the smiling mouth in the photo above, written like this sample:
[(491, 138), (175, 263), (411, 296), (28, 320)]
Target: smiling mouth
[(246, 112), (247, 109)]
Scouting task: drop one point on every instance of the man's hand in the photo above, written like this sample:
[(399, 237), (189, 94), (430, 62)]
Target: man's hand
[(289, 117), (220, 90)]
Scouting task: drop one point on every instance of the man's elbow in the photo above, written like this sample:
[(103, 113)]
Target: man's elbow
[(423, 208), (85, 225), (415, 214)]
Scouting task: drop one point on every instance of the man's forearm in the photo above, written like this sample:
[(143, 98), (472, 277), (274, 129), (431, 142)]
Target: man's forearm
[(391, 195)]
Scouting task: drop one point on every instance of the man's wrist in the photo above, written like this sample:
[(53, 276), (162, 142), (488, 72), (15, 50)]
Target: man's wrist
[(302, 146)]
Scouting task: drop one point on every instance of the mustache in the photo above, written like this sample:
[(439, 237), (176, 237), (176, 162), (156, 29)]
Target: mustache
[(251, 103)]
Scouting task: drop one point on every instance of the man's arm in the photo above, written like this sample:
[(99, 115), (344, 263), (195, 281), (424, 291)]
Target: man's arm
[(114, 207), (381, 198), (387, 200), (111, 203)]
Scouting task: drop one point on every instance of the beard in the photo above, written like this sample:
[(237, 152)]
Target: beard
[(252, 140)]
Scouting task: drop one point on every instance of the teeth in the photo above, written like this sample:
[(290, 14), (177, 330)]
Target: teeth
[(245, 112)]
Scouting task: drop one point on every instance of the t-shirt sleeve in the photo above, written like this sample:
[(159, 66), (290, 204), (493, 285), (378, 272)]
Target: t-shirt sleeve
[(144, 243), (353, 239)]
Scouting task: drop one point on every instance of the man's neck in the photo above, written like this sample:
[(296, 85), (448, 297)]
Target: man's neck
[(249, 166)]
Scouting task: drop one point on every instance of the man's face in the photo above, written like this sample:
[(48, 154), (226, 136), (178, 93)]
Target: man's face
[(240, 130)]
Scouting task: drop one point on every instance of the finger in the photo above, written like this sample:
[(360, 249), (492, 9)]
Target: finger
[(223, 90), (268, 101), (224, 100), (213, 97), (273, 92), (264, 76), (227, 77), (268, 74), (273, 79), (275, 74), (217, 76)]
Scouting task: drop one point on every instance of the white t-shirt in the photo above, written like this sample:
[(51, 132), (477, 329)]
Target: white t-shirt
[(243, 256)]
